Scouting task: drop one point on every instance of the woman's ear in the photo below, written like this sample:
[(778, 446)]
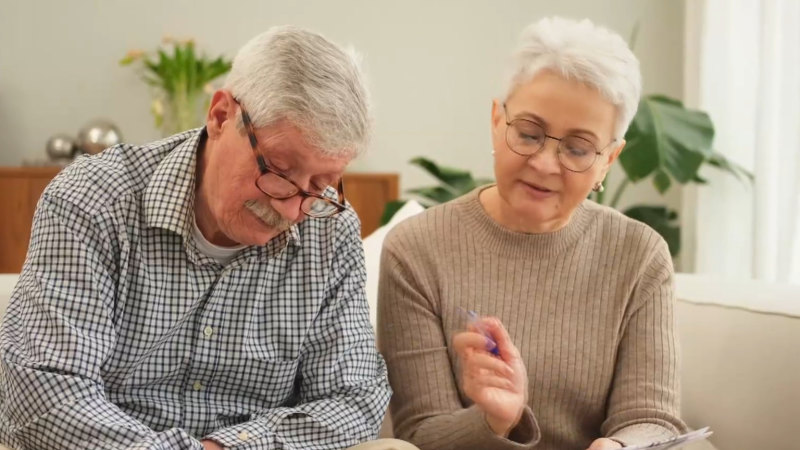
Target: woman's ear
[(614, 154), (498, 115)]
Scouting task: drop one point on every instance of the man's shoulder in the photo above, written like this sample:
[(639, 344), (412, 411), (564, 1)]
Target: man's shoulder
[(123, 171), (332, 232)]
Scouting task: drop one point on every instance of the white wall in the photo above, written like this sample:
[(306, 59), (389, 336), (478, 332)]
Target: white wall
[(434, 66)]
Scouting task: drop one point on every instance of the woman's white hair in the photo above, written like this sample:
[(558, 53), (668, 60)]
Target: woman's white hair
[(293, 74), (584, 52)]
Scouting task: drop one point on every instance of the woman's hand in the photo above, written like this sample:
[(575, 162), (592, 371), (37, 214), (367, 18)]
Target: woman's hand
[(497, 385), (604, 444)]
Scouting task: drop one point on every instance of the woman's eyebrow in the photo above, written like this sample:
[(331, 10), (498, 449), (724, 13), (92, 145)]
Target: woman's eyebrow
[(531, 116)]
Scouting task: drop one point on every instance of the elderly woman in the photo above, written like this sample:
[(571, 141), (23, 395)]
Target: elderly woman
[(577, 348)]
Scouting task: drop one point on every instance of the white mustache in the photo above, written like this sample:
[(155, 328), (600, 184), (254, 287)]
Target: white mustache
[(268, 215)]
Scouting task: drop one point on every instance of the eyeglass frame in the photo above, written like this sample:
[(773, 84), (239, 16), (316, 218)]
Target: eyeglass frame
[(265, 169), (558, 147)]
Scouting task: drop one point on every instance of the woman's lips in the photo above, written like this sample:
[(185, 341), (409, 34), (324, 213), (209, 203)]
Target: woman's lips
[(537, 191)]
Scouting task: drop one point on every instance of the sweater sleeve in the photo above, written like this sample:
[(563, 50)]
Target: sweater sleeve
[(426, 408), (644, 400)]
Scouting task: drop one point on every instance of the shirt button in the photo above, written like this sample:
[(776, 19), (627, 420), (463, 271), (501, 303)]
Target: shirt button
[(208, 331), (197, 386), (244, 435)]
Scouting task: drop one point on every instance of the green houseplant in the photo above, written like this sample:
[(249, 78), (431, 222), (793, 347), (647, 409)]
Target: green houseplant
[(180, 79), (666, 143), (453, 183)]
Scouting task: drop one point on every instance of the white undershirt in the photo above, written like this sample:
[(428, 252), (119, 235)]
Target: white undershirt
[(222, 255)]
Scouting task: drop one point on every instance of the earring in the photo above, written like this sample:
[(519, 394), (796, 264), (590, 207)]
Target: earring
[(493, 152), (598, 187)]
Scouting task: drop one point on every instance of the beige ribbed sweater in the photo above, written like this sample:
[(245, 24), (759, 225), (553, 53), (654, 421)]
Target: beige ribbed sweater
[(590, 308)]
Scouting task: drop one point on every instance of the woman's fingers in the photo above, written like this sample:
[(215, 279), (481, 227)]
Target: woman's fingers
[(487, 380), (469, 339), (498, 332), (604, 444), (485, 361)]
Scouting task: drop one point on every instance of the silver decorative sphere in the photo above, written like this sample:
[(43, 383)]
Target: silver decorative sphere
[(60, 147), (98, 135)]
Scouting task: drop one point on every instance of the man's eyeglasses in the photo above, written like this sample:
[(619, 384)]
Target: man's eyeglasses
[(526, 137), (278, 186)]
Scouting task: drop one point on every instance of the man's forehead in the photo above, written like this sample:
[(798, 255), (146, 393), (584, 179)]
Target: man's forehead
[(288, 145)]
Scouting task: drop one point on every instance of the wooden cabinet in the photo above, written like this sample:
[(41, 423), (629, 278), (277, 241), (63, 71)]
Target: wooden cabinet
[(20, 188), (369, 193)]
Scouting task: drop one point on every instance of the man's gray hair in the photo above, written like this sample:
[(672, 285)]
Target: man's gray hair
[(293, 74), (584, 52)]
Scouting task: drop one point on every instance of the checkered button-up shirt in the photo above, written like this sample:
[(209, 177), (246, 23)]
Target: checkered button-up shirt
[(121, 334)]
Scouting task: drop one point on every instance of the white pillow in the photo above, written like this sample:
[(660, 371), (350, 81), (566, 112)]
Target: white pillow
[(372, 254)]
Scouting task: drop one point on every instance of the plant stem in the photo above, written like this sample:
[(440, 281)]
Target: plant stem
[(624, 184)]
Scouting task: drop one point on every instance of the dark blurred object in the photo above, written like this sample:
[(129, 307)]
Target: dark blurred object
[(98, 135), (60, 147)]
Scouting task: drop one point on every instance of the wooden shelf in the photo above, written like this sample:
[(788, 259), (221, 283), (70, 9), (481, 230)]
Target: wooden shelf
[(21, 187)]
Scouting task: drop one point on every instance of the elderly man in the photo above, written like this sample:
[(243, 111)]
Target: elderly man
[(206, 290)]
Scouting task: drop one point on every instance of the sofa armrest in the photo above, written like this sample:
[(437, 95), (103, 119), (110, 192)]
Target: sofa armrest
[(7, 283)]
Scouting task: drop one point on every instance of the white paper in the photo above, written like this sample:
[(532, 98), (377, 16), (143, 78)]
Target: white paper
[(674, 442)]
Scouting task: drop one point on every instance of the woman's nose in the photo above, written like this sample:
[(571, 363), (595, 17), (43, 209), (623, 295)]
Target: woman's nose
[(546, 159)]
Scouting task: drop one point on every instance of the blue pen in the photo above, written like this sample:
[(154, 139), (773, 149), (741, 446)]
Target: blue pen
[(472, 319)]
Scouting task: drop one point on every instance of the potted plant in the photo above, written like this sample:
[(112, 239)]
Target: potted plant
[(667, 144), (180, 79)]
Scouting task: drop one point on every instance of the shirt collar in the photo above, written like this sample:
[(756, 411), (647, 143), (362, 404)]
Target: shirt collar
[(169, 195)]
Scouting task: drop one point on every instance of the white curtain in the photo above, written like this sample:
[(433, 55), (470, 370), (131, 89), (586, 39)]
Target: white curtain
[(748, 80)]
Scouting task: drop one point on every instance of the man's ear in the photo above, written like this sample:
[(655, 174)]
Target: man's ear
[(222, 109)]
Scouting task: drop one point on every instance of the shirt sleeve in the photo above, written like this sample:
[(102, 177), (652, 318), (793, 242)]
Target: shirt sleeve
[(427, 411), (343, 387), (643, 404), (58, 330)]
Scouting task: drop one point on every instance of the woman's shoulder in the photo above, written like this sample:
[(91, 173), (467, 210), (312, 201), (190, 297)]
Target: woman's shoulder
[(431, 225), (439, 229), (615, 227)]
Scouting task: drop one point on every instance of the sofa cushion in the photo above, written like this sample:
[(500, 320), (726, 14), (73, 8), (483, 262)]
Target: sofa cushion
[(740, 370)]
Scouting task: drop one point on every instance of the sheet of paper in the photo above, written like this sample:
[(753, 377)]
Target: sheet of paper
[(674, 442)]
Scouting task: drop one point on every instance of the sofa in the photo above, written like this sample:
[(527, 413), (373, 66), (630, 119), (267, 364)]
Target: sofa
[(741, 375), (741, 372)]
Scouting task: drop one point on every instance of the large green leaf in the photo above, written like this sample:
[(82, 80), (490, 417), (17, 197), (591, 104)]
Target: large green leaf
[(453, 184), (433, 195), (456, 180), (661, 219), (661, 181), (719, 161), (390, 210), (668, 138)]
